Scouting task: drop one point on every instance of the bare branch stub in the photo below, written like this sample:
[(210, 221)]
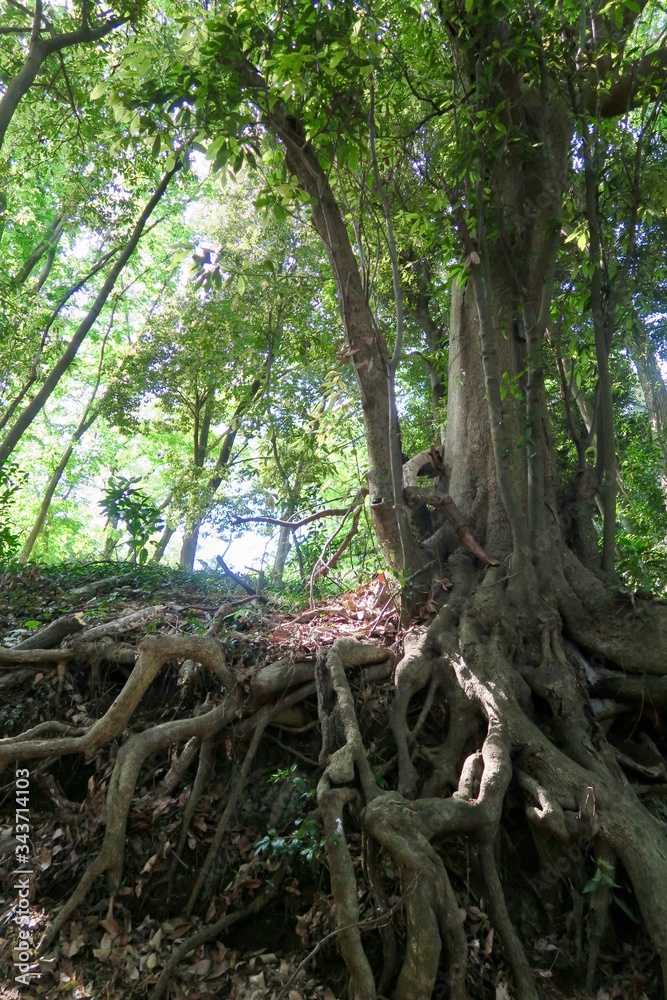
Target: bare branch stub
[(415, 496)]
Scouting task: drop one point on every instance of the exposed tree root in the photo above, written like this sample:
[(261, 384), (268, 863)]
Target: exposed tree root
[(119, 799), (519, 735)]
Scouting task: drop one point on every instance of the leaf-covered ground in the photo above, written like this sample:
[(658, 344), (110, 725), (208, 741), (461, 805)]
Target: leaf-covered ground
[(116, 947)]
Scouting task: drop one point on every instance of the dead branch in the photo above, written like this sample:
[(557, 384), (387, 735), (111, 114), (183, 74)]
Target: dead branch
[(52, 634), (295, 525), (125, 624), (415, 496), (109, 581), (239, 580), (322, 567)]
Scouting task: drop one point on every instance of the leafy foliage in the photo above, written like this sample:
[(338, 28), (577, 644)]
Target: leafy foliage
[(10, 484), (124, 503)]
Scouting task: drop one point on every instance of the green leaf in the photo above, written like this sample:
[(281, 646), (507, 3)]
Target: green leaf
[(337, 57), (240, 285), (626, 909), (98, 91)]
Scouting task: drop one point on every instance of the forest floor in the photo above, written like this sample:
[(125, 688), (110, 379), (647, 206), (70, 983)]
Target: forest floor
[(116, 946)]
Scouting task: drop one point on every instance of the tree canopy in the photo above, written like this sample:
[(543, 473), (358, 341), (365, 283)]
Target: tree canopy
[(395, 130)]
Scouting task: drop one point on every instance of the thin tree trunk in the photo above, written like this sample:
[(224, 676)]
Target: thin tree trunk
[(14, 404), (367, 345), (655, 396), (282, 552), (46, 246), (29, 544), (88, 418), (189, 547), (294, 492), (160, 549), (28, 414)]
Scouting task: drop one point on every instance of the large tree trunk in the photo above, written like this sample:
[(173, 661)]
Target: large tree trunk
[(468, 446), (519, 709), (498, 742)]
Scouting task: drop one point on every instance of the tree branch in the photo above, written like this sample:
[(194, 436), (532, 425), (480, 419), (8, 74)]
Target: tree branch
[(38, 52), (415, 496), (295, 525), (641, 82), (29, 413)]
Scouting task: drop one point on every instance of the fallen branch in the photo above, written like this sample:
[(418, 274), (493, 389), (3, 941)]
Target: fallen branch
[(38, 657), (45, 659), (125, 624), (51, 635), (109, 581), (239, 580)]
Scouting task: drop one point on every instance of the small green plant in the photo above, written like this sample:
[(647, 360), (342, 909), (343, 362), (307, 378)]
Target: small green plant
[(306, 839), (10, 483), (124, 502), (300, 784), (604, 876)]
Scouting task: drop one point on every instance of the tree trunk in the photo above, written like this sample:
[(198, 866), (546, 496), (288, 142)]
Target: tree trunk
[(367, 345), (29, 543), (655, 396), (161, 546), (497, 650), (28, 414), (189, 546), (190, 540), (87, 420), (282, 551)]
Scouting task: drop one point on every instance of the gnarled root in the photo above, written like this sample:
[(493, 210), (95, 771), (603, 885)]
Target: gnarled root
[(519, 735), (119, 799)]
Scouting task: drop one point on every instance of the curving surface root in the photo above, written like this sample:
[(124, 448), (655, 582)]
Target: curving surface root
[(491, 718)]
